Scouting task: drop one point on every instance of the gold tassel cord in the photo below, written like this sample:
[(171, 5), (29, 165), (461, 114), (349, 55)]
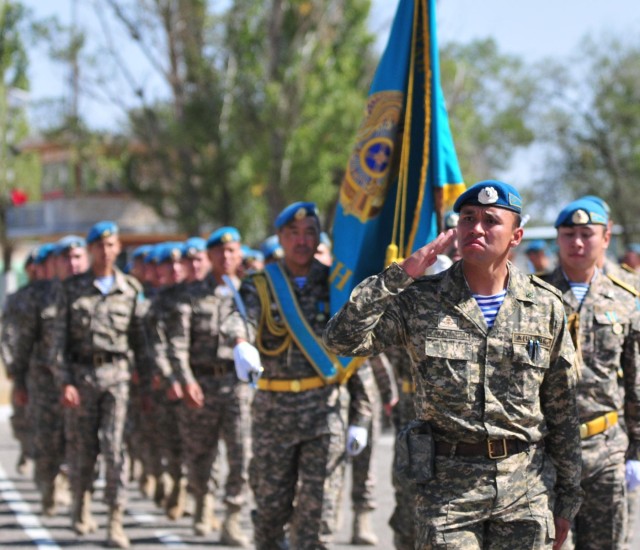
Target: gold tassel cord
[(573, 324), (266, 319)]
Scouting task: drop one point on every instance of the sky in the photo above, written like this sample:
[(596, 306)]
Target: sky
[(534, 30)]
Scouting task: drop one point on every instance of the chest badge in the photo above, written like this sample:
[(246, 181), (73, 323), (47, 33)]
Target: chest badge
[(448, 322), (617, 328)]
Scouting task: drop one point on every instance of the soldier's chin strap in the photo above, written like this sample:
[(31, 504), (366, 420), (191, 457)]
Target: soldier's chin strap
[(573, 324)]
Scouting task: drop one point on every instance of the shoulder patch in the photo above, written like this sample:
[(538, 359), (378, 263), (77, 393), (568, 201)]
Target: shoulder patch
[(544, 284), (622, 284)]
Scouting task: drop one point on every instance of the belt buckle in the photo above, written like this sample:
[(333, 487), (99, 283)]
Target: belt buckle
[(295, 386), (490, 444), (584, 431), (99, 359)]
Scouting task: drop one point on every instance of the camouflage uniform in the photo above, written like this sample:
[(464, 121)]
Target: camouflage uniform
[(35, 356), (608, 339), (95, 334), (166, 445), (197, 354), (11, 318), (476, 385), (402, 520), (298, 437)]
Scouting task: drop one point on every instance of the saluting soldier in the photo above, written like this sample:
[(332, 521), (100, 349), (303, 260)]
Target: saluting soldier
[(495, 381), (604, 320), (298, 432), (98, 325)]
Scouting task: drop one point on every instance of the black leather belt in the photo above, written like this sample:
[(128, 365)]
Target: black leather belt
[(489, 448), (97, 359), (218, 369)]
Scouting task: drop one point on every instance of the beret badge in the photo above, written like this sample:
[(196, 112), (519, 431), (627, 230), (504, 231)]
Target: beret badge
[(488, 195), (580, 217)]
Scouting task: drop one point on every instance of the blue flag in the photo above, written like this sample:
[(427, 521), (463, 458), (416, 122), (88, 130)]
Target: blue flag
[(403, 171)]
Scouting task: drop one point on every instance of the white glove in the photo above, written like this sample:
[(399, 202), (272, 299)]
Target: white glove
[(632, 474), (357, 438), (247, 361)]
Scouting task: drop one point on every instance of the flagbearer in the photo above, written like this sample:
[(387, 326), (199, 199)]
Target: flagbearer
[(605, 323), (298, 434), (494, 371)]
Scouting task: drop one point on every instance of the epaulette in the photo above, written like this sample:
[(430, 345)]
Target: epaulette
[(622, 284), (547, 286), (628, 268)]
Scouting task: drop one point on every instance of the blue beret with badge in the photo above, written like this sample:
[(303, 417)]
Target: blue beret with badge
[(192, 246), (150, 257), (600, 201), (102, 230), (296, 211), (491, 193), (140, 253), (168, 252), (271, 248), (584, 211), (223, 235), (69, 242), (44, 252)]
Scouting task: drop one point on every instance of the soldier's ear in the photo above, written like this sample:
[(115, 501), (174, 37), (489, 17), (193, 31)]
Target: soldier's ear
[(516, 238)]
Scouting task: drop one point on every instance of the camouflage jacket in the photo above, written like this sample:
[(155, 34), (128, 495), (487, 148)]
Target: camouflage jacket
[(609, 339), (291, 363), (473, 383), (92, 324), (192, 326), (36, 309)]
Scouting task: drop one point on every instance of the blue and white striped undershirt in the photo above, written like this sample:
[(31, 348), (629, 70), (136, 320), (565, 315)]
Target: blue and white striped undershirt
[(579, 290), (490, 305)]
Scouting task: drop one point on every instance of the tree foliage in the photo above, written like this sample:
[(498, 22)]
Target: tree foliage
[(593, 127)]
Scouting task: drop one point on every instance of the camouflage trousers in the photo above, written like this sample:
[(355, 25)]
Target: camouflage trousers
[(162, 428), (21, 429), (363, 468), (225, 415), (47, 419), (633, 507), (295, 473), (474, 503), (98, 427), (602, 519)]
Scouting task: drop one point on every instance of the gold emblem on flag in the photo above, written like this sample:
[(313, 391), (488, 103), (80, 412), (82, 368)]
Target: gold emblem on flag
[(372, 164)]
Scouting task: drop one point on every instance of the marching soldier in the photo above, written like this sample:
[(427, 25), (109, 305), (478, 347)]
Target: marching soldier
[(98, 326), (605, 323), (298, 431)]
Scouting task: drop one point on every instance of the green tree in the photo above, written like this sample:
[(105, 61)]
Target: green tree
[(490, 98), (14, 168), (593, 128)]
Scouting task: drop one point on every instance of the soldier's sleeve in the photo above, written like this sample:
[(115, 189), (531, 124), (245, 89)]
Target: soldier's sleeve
[(178, 332), (139, 341), (385, 378), (49, 324), (370, 321), (631, 373), (8, 335), (26, 334), (361, 387), (235, 326), (62, 367), (558, 402)]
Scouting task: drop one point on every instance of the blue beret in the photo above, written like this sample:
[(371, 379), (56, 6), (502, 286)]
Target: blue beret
[(192, 246), (223, 235), (536, 246), (150, 257), (44, 252), (102, 229), (167, 252), (270, 247), (141, 252), (68, 242), (600, 201), (584, 211), (491, 193), (634, 247), (252, 254), (31, 257), (296, 211)]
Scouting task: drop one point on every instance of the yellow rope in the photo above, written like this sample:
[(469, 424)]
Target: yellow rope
[(266, 318)]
